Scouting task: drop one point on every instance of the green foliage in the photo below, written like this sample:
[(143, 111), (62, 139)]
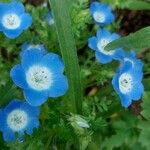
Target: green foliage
[(145, 106), (129, 4), (137, 41), (144, 125), (110, 125), (68, 50)]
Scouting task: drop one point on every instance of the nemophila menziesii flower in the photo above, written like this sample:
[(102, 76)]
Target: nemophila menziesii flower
[(130, 58), (27, 46), (101, 13), (18, 117), (127, 82), (13, 19), (49, 18), (99, 42), (40, 76)]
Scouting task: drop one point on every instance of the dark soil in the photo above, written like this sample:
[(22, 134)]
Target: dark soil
[(131, 21)]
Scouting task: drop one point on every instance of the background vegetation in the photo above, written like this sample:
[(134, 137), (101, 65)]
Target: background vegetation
[(111, 126)]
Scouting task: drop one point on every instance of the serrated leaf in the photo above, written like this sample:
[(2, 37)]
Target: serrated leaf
[(135, 41), (115, 140)]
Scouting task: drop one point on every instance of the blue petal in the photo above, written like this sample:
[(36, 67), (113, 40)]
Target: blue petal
[(12, 34), (30, 58), (132, 54), (125, 100), (18, 76), (103, 33), (137, 92), (59, 87), (138, 65), (26, 46), (115, 82), (20, 137), (114, 36), (35, 98), (94, 7), (2, 119), (31, 111), (26, 21), (16, 7), (3, 8), (33, 123), (102, 58), (13, 105), (119, 55), (126, 66), (54, 62), (109, 17), (8, 135), (92, 43), (137, 75), (105, 7)]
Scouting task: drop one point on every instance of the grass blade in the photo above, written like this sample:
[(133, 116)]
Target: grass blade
[(138, 41), (60, 9)]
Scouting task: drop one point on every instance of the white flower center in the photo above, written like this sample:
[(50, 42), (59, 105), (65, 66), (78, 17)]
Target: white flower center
[(125, 83), (101, 45), (11, 21), (39, 77), (17, 120), (99, 16)]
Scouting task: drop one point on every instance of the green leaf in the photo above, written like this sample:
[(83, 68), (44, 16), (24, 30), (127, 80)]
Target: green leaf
[(135, 5), (7, 93), (60, 10), (145, 105), (136, 41), (144, 134), (115, 140), (128, 4), (146, 84)]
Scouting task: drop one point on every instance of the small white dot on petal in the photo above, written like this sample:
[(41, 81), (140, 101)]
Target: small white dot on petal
[(39, 77), (17, 120), (101, 45), (99, 16), (125, 83), (11, 21)]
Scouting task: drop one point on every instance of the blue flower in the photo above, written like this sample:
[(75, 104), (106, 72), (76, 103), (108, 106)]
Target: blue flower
[(101, 13), (18, 117), (127, 83), (13, 19), (99, 42), (27, 46), (129, 58), (40, 76), (49, 18)]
